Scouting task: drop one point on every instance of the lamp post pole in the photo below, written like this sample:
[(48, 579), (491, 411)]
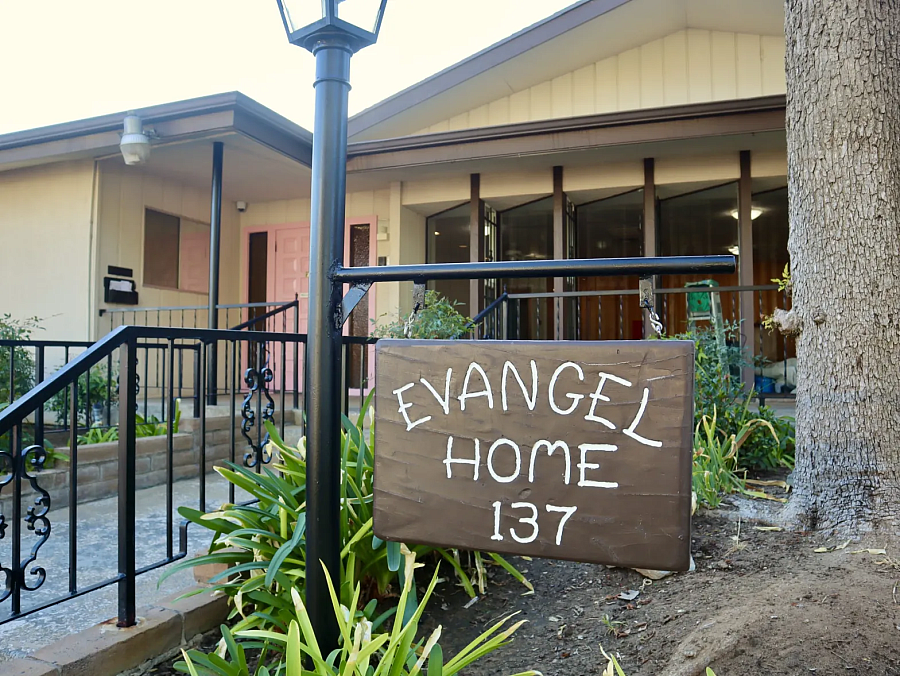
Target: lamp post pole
[(323, 379)]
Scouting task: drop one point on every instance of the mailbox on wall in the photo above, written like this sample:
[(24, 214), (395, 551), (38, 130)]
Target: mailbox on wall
[(118, 287)]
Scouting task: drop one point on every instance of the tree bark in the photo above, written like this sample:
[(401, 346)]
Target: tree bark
[(843, 144)]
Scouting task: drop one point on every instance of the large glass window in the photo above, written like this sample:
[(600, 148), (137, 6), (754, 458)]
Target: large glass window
[(698, 223), (610, 228), (526, 234), (448, 242), (770, 255)]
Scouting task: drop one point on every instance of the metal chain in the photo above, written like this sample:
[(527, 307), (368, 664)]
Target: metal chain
[(645, 290)]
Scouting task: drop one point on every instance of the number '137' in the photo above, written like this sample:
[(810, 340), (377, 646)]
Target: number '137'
[(532, 521)]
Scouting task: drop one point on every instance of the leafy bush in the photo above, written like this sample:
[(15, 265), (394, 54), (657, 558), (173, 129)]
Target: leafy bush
[(719, 394), (439, 320), (98, 383), (363, 649), (264, 544), (149, 427), (715, 459), (23, 358)]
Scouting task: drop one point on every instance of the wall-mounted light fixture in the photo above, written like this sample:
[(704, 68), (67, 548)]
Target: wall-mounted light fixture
[(135, 144)]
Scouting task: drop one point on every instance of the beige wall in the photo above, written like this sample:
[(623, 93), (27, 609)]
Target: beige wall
[(689, 66), (45, 238), (125, 192)]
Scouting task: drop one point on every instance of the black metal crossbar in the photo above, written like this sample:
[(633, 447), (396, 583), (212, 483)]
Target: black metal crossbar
[(583, 267)]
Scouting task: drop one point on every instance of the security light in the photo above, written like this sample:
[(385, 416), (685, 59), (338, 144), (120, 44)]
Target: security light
[(135, 144)]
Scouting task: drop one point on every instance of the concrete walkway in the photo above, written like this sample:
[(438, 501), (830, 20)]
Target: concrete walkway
[(97, 560)]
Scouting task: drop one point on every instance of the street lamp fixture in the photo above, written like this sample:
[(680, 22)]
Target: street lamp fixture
[(333, 30), (307, 22)]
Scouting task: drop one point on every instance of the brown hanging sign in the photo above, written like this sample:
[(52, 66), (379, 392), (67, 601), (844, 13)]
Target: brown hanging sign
[(564, 450)]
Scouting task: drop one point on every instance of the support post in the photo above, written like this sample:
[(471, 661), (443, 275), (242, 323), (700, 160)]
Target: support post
[(323, 371), (745, 259), (126, 526), (649, 230), (215, 238), (476, 243), (559, 248)]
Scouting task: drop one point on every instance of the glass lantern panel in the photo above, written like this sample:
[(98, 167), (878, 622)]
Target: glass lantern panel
[(361, 13), (302, 13)]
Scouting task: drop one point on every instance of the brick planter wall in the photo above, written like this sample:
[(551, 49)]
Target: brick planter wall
[(98, 464)]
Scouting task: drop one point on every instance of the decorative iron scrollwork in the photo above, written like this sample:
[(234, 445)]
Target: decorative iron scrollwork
[(258, 383), (18, 468)]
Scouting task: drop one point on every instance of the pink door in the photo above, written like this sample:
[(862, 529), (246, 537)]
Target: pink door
[(289, 254)]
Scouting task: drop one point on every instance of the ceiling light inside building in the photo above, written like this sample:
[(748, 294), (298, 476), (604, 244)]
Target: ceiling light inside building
[(755, 213)]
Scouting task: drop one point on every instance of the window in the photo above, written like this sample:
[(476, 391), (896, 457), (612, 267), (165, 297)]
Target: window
[(448, 242), (176, 253)]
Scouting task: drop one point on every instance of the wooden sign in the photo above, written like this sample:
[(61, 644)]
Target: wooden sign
[(565, 450)]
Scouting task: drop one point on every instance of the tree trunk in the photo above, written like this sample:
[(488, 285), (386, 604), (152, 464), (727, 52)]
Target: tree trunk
[(843, 144)]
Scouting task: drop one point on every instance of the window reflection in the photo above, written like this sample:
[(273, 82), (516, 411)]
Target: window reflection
[(610, 228), (698, 223), (448, 242)]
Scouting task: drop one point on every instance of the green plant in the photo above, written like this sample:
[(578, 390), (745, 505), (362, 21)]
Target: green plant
[(614, 669), (263, 544), (438, 319), (718, 391), (23, 374), (363, 650), (23, 359), (715, 459), (149, 427), (97, 386)]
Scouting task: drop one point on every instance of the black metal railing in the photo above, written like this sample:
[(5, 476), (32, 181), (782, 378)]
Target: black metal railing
[(261, 365), (615, 314)]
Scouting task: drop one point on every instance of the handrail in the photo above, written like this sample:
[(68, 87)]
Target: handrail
[(267, 315), (481, 316), (490, 308), (174, 308), (17, 411)]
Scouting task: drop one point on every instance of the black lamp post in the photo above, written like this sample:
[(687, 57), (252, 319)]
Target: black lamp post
[(332, 30)]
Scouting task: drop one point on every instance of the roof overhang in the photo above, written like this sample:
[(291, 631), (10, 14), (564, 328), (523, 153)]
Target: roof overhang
[(672, 123), (173, 123)]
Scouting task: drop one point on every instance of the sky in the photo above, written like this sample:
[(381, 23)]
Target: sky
[(63, 60)]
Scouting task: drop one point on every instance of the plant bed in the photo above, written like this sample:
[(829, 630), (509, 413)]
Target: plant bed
[(759, 602)]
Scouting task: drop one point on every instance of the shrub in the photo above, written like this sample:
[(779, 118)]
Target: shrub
[(264, 543), (149, 427), (23, 373), (719, 394), (363, 650), (101, 386), (715, 458), (438, 320)]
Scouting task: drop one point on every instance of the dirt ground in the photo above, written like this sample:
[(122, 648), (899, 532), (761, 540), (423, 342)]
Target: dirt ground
[(760, 603)]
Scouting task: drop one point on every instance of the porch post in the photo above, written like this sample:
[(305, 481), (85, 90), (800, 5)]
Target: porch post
[(745, 259), (649, 232), (559, 248), (215, 237), (476, 243)]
